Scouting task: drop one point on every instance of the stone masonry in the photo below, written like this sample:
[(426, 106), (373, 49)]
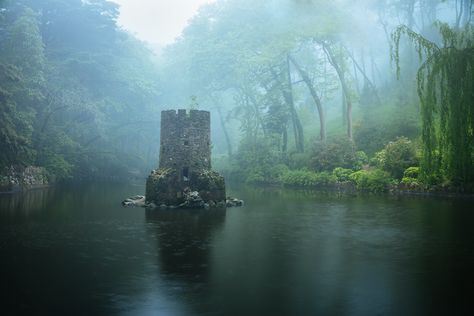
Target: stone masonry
[(185, 161), (185, 140)]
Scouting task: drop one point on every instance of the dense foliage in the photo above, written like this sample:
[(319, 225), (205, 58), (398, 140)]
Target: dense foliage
[(396, 156), (445, 86), (73, 90), (301, 92)]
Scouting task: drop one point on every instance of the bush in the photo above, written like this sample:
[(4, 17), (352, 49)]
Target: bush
[(339, 152), (342, 174), (298, 160), (380, 124), (410, 178), (255, 161), (396, 157), (361, 160), (410, 182), (255, 177), (277, 171), (375, 180), (412, 172), (307, 178)]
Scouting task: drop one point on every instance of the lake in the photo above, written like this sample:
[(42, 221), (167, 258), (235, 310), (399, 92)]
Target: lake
[(73, 250)]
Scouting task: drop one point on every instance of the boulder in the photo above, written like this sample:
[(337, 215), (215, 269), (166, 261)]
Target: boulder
[(137, 201)]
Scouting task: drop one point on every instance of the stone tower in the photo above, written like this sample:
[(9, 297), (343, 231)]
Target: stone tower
[(185, 141), (185, 162)]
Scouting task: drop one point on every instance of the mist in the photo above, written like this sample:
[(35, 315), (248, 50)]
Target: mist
[(323, 121)]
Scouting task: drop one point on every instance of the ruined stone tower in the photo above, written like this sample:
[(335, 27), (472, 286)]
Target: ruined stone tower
[(185, 161), (185, 141)]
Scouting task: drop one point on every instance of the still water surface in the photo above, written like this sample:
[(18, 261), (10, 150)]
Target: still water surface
[(76, 251)]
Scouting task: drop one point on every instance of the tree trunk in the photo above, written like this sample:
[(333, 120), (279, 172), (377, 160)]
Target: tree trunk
[(226, 134), (345, 88), (315, 96), (467, 12), (287, 93), (296, 120), (258, 117), (367, 81)]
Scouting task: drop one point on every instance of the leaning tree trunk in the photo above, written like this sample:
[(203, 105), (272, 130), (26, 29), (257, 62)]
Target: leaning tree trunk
[(296, 120), (315, 96), (345, 88), (287, 93)]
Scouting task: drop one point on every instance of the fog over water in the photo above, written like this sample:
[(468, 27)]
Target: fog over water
[(346, 127)]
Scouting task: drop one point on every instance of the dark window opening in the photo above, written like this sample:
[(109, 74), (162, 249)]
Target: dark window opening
[(185, 173)]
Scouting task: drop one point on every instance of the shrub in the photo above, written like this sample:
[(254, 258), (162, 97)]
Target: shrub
[(298, 160), (255, 160), (339, 152), (375, 180), (307, 178), (342, 174), (325, 178), (396, 157), (378, 160), (277, 171), (255, 177), (361, 159), (380, 124), (410, 178), (412, 172), (410, 182)]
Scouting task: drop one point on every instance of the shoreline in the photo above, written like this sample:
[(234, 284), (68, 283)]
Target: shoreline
[(338, 188), (350, 188)]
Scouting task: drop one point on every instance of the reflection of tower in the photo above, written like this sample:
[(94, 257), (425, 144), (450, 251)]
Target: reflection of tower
[(185, 160), (185, 141), (185, 240)]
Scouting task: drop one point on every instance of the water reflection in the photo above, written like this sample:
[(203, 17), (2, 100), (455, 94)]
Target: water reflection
[(75, 250), (184, 241), (15, 206)]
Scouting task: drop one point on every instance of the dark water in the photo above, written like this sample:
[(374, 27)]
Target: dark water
[(75, 251)]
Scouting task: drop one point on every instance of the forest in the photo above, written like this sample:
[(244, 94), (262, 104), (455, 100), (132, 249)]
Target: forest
[(271, 157), (378, 95)]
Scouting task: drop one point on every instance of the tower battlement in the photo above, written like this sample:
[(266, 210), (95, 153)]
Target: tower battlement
[(185, 140)]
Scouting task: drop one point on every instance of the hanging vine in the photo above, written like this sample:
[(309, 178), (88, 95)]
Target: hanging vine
[(445, 84)]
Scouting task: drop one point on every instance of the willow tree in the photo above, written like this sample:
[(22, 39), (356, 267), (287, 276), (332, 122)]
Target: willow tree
[(445, 82)]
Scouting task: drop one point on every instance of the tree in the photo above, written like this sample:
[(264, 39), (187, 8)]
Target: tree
[(445, 84), (317, 100), (333, 60), (75, 87)]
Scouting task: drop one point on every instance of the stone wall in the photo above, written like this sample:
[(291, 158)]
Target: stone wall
[(185, 141), (17, 178)]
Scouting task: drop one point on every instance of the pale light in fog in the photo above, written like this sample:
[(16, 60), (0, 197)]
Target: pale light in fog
[(157, 21)]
